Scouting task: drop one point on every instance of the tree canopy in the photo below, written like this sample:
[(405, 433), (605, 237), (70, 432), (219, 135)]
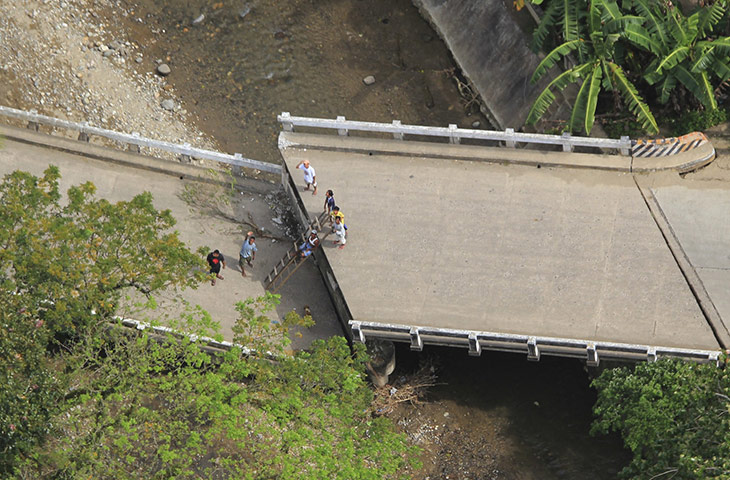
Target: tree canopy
[(84, 397), (673, 415)]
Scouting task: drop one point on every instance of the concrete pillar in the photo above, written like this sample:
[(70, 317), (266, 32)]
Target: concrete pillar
[(83, 137), (382, 360)]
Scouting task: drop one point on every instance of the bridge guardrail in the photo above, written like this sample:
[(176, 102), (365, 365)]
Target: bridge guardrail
[(533, 345), (85, 130), (511, 138)]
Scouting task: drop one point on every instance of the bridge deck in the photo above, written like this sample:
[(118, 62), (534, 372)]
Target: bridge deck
[(483, 247)]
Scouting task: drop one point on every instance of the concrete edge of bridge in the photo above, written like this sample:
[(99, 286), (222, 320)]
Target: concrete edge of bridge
[(681, 162), (184, 171)]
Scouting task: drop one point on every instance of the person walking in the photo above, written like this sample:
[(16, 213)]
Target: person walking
[(340, 230), (247, 253), (310, 176), (329, 201), (216, 262)]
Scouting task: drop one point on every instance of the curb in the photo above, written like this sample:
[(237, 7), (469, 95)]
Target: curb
[(683, 162), (129, 159)]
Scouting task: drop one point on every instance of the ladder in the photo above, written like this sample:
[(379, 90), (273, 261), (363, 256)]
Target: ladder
[(292, 260)]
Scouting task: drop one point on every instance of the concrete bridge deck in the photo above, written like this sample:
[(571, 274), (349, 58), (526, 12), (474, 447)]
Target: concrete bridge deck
[(442, 250)]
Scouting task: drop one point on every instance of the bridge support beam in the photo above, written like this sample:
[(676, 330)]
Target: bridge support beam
[(533, 352), (592, 359), (475, 348)]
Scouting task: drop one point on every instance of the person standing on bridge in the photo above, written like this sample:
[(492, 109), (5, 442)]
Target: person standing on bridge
[(247, 253), (310, 176), (329, 201), (340, 230)]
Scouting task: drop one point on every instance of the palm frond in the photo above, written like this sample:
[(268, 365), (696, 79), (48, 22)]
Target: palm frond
[(654, 23), (640, 37), (595, 89), (633, 100), (674, 57), (698, 84), (547, 23), (546, 97), (571, 14), (667, 87), (708, 17), (721, 44), (721, 69), (553, 57), (703, 61)]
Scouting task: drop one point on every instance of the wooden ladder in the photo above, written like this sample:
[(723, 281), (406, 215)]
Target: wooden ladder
[(292, 260)]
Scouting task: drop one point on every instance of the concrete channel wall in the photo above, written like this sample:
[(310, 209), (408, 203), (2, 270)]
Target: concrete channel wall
[(492, 51)]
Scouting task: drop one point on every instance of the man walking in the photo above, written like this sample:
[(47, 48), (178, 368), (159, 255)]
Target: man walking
[(216, 261), (310, 176), (247, 253)]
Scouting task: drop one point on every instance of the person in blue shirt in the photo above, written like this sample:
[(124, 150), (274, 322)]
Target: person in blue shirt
[(329, 201), (310, 244), (247, 253)]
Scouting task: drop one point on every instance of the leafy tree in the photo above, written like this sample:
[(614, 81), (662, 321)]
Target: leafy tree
[(64, 269), (673, 415), (83, 398), (596, 70)]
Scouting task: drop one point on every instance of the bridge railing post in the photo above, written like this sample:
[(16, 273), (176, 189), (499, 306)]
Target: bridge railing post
[(510, 132), (416, 340), (624, 150), (454, 137), (342, 131), (592, 359), (533, 351), (567, 144), (286, 124), (397, 135)]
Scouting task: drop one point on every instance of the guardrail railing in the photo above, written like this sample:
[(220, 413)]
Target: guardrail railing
[(455, 134), (85, 130), (532, 345)]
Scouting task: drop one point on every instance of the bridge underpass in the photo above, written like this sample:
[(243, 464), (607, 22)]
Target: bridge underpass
[(482, 255)]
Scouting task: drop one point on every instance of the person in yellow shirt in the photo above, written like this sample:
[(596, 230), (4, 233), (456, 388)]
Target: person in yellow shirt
[(336, 213)]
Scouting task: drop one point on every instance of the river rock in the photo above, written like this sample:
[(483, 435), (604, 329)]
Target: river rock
[(476, 124), (108, 53), (199, 19), (138, 59), (244, 11), (163, 69), (369, 80), (168, 105)]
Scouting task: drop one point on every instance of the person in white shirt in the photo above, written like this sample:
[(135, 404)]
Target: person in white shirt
[(310, 176), (340, 229)]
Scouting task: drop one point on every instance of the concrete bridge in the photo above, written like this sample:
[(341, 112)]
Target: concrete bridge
[(551, 251), (494, 248)]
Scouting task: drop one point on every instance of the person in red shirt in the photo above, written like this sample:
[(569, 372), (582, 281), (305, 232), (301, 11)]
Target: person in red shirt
[(216, 262)]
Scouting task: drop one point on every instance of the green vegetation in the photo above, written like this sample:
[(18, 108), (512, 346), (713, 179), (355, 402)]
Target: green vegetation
[(674, 416), (83, 398), (697, 121), (635, 51)]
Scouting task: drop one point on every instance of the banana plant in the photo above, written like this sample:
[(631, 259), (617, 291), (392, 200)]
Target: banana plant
[(683, 48), (596, 70)]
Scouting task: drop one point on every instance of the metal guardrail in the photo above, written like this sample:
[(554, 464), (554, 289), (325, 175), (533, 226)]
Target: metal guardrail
[(533, 346), (85, 130), (455, 134)]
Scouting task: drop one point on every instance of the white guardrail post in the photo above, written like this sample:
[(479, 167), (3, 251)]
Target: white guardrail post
[(454, 134)]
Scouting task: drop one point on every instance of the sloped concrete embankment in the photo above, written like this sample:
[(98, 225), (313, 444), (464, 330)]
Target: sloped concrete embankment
[(492, 52)]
